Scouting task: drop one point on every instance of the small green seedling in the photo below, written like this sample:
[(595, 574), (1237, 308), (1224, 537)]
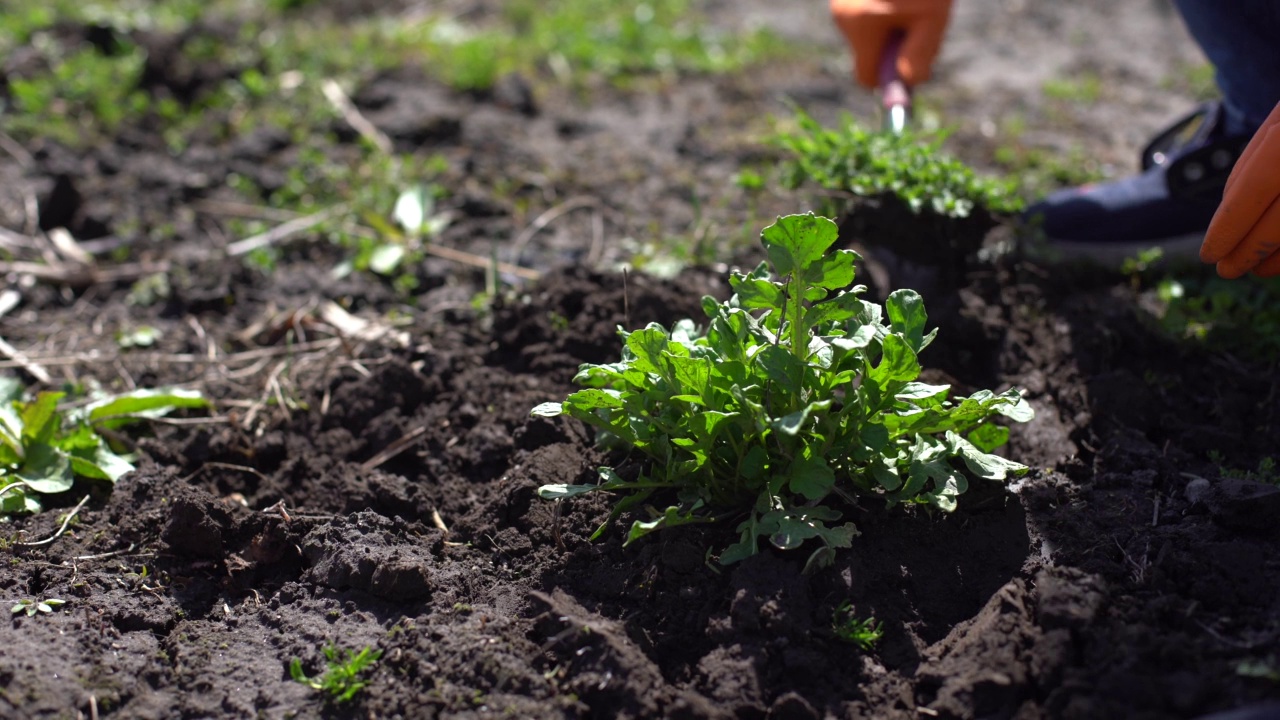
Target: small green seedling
[(341, 679), (796, 391), (44, 447), (864, 633), (31, 607)]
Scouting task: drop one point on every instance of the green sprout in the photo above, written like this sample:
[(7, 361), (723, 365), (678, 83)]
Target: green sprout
[(31, 607), (797, 391), (340, 681), (864, 633)]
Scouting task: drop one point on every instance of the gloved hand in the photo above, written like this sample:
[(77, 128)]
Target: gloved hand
[(868, 25), (1245, 232)]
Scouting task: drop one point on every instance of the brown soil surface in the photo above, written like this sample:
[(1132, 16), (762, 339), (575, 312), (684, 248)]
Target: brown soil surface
[(1123, 578)]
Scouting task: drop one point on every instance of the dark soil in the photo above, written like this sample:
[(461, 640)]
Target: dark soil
[(380, 491)]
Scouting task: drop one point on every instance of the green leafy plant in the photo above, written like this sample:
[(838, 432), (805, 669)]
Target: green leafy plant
[(853, 159), (44, 448), (1268, 470), (863, 632), (341, 680), (796, 390), (1235, 316), (31, 607)]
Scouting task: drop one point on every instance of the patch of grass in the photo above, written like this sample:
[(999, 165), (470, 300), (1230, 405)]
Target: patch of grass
[(853, 159), (1199, 80), (1083, 89), (84, 92)]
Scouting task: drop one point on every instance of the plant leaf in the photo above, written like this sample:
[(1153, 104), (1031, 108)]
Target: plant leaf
[(795, 242), (46, 470), (119, 410), (386, 258)]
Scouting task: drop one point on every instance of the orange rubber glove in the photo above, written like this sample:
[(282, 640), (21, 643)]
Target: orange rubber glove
[(868, 25), (1245, 232)]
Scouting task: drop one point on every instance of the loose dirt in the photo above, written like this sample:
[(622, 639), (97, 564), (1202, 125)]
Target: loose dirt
[(379, 491)]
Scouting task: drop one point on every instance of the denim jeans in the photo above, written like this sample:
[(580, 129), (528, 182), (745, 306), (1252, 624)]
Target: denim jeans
[(1242, 40)]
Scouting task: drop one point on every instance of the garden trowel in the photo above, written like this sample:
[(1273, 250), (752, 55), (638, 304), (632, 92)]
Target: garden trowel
[(895, 96)]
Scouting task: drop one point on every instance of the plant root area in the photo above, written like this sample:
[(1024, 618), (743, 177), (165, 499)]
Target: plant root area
[(372, 483)]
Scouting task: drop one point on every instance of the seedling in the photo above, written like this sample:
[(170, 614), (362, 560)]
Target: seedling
[(341, 679), (44, 448), (31, 607), (796, 390), (863, 632)]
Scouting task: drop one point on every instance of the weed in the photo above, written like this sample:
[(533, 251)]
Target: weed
[(1262, 669), (1238, 317), (1084, 89), (31, 607), (340, 681), (863, 632), (1268, 470), (44, 448), (852, 159), (797, 390)]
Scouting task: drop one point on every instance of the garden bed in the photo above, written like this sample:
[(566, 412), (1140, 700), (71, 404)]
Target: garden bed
[(373, 485)]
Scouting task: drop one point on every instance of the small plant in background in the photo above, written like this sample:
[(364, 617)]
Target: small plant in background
[(1268, 470), (863, 162), (341, 679), (31, 607), (1239, 317), (44, 447), (797, 390), (863, 632)]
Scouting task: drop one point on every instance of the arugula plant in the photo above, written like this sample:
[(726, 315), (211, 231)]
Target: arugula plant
[(867, 163), (44, 448), (796, 390), (341, 678)]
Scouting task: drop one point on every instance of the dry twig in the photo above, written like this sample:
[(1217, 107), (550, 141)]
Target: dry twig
[(66, 522), (334, 94)]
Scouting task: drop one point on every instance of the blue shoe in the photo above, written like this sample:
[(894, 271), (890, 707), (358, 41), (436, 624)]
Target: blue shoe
[(1169, 205)]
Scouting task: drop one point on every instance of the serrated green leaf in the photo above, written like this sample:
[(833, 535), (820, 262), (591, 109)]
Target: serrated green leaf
[(648, 347), (592, 399), (811, 477), (907, 316), (898, 363), (988, 437), (754, 293), (781, 367), (792, 423), (795, 242), (984, 465)]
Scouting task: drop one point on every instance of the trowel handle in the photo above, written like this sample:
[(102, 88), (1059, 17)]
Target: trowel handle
[(895, 96)]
